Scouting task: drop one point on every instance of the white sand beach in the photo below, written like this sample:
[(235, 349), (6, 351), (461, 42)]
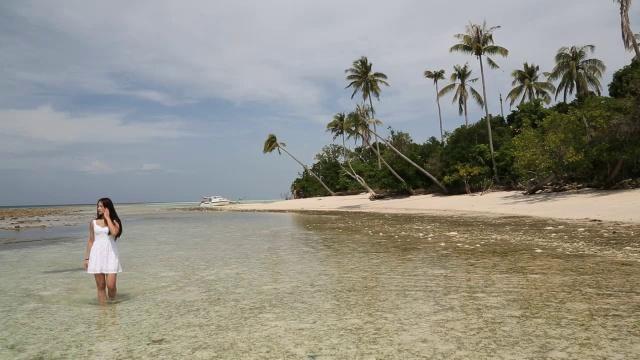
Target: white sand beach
[(586, 204)]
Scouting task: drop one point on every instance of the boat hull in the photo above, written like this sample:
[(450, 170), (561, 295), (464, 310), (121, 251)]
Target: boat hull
[(214, 204)]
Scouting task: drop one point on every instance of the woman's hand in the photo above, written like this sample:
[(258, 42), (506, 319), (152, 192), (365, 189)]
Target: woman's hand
[(105, 213), (86, 264)]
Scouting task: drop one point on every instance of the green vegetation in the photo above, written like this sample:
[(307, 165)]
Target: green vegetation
[(592, 141)]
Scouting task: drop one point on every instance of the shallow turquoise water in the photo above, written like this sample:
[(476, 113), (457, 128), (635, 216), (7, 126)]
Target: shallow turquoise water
[(346, 286)]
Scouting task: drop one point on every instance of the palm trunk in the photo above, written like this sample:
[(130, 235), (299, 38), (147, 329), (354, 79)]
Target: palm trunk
[(411, 162), (344, 148), (360, 180), (355, 176), (391, 169), (374, 128), (310, 172), (439, 113), (466, 115), (636, 48), (486, 111), (628, 30)]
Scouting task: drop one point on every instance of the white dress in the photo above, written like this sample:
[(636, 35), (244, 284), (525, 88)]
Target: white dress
[(103, 258)]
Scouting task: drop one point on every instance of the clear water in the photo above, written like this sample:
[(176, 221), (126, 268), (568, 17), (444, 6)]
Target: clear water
[(344, 286)]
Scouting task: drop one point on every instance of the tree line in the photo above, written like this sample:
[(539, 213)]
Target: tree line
[(591, 141)]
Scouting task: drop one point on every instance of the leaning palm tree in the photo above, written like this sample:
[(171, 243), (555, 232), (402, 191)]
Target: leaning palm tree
[(339, 127), (528, 86), (363, 119), (576, 71), (410, 161), (363, 79), (435, 76), (628, 37), (460, 79), (272, 144), (478, 41), (359, 126)]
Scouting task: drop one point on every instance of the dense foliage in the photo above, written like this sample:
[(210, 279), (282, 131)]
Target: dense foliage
[(593, 141)]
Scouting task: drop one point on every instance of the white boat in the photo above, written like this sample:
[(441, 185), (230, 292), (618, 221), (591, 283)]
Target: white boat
[(214, 201)]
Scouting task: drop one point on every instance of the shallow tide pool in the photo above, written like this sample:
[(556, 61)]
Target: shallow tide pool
[(333, 286)]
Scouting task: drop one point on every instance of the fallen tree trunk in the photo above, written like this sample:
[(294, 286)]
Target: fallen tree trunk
[(535, 188)]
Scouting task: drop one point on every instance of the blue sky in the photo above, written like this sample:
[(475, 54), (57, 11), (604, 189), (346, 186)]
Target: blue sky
[(172, 100)]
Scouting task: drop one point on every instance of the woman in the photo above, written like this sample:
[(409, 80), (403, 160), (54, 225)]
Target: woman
[(102, 259)]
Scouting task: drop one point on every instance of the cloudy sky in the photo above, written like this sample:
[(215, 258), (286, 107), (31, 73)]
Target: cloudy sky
[(153, 100)]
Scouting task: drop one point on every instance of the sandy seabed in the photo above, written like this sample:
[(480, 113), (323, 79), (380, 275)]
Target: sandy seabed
[(28, 218)]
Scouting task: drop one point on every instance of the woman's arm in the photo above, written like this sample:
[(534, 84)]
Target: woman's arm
[(89, 245), (114, 227)]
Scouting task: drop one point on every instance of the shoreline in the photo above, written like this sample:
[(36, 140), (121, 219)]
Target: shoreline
[(576, 205), (584, 204)]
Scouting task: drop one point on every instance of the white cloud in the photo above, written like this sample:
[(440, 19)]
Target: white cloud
[(98, 167), (101, 167), (175, 53), (47, 124)]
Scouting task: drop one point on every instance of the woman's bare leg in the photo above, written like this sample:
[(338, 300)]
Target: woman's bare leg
[(111, 285), (101, 284)]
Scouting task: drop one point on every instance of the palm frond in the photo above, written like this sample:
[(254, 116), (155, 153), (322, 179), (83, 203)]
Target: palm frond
[(272, 144), (447, 89), (491, 63), (476, 96), (576, 71)]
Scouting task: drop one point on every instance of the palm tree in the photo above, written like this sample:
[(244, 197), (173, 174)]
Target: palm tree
[(628, 37), (337, 126), (478, 40), (460, 79), (363, 79), (435, 76), (577, 72), (340, 126), (359, 126), (527, 85), (361, 123), (272, 144), (410, 161)]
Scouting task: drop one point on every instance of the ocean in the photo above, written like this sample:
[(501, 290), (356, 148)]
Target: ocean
[(251, 285)]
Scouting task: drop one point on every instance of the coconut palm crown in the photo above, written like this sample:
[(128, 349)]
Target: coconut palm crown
[(362, 78), (272, 144), (527, 85), (337, 126), (460, 84), (576, 72), (478, 40)]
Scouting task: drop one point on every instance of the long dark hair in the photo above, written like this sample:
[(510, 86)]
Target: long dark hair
[(107, 203)]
